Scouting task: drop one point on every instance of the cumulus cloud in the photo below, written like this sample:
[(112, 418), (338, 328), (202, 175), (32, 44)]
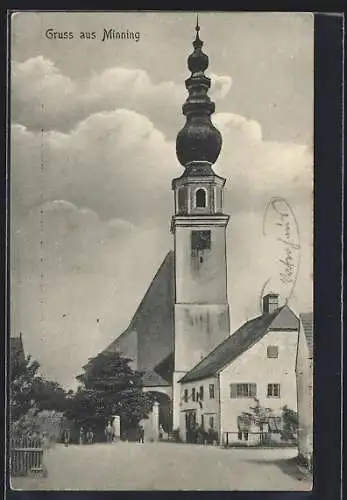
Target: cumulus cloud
[(97, 193), (220, 86), (116, 162), (42, 97)]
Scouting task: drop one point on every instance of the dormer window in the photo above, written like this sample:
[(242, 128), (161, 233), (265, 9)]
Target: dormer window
[(200, 198)]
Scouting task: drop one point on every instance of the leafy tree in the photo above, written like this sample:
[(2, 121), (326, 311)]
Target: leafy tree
[(109, 386), (23, 376), (30, 393), (290, 424)]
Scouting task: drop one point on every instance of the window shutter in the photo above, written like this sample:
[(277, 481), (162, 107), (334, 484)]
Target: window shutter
[(253, 390), (233, 390)]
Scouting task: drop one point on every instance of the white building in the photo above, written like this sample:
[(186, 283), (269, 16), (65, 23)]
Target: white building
[(304, 373), (257, 361)]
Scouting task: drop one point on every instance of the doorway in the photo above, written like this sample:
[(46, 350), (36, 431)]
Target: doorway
[(191, 426)]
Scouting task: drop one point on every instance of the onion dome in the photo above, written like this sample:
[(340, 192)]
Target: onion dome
[(199, 140)]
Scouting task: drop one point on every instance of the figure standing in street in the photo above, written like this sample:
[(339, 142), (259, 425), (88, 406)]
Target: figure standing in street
[(141, 434), (66, 437), (109, 432), (90, 436), (81, 438)]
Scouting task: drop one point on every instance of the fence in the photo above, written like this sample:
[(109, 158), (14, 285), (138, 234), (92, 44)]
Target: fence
[(256, 440), (26, 456)]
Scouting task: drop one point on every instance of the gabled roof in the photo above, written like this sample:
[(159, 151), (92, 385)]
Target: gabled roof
[(241, 340), (307, 324), (151, 379), (152, 322)]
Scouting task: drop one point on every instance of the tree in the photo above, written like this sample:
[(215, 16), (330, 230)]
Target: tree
[(109, 386), (30, 393), (23, 376), (290, 424)]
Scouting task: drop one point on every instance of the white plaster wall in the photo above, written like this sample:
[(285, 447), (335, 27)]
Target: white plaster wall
[(163, 389), (253, 366), (304, 373), (210, 407), (206, 282), (198, 330), (176, 400)]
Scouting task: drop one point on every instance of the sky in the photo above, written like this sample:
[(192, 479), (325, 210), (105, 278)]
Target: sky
[(93, 135)]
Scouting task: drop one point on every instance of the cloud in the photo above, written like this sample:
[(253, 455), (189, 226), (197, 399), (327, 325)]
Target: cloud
[(97, 193), (42, 97), (220, 86), (116, 162)]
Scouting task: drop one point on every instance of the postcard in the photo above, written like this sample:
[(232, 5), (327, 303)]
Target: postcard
[(161, 258)]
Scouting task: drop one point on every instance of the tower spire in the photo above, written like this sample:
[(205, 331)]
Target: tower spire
[(199, 140)]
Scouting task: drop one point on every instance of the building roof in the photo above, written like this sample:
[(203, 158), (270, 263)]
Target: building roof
[(241, 340), (152, 379), (153, 321), (16, 350), (307, 323)]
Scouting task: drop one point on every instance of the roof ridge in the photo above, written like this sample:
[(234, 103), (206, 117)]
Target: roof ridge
[(269, 317), (164, 261), (130, 326)]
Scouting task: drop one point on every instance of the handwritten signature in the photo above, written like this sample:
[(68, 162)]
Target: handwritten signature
[(284, 224)]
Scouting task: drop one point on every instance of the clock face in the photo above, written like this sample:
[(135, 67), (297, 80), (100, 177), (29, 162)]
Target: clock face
[(201, 240)]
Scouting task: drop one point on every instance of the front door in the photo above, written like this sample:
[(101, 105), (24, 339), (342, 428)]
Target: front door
[(191, 426)]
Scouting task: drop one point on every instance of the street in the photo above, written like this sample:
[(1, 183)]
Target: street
[(166, 466)]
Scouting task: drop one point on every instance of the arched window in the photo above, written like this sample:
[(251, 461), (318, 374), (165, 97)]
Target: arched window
[(200, 198)]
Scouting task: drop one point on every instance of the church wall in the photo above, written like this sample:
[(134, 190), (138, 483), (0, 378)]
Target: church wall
[(127, 346), (253, 366), (163, 389), (199, 329), (201, 282), (154, 318)]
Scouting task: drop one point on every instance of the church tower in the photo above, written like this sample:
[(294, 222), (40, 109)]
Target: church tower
[(199, 228)]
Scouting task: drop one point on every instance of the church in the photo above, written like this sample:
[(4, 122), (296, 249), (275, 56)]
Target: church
[(183, 321)]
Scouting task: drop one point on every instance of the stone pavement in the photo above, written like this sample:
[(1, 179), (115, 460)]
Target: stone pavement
[(166, 466)]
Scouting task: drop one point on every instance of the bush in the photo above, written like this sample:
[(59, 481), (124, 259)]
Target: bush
[(212, 435)]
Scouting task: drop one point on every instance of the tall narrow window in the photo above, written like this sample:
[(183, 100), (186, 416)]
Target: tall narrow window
[(193, 394), (201, 393), (211, 391), (186, 395), (200, 198)]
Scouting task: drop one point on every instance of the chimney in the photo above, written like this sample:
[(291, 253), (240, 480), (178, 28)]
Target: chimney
[(270, 303)]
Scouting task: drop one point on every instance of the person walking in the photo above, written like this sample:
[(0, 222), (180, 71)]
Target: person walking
[(109, 432), (90, 436), (81, 438), (66, 437), (141, 434)]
